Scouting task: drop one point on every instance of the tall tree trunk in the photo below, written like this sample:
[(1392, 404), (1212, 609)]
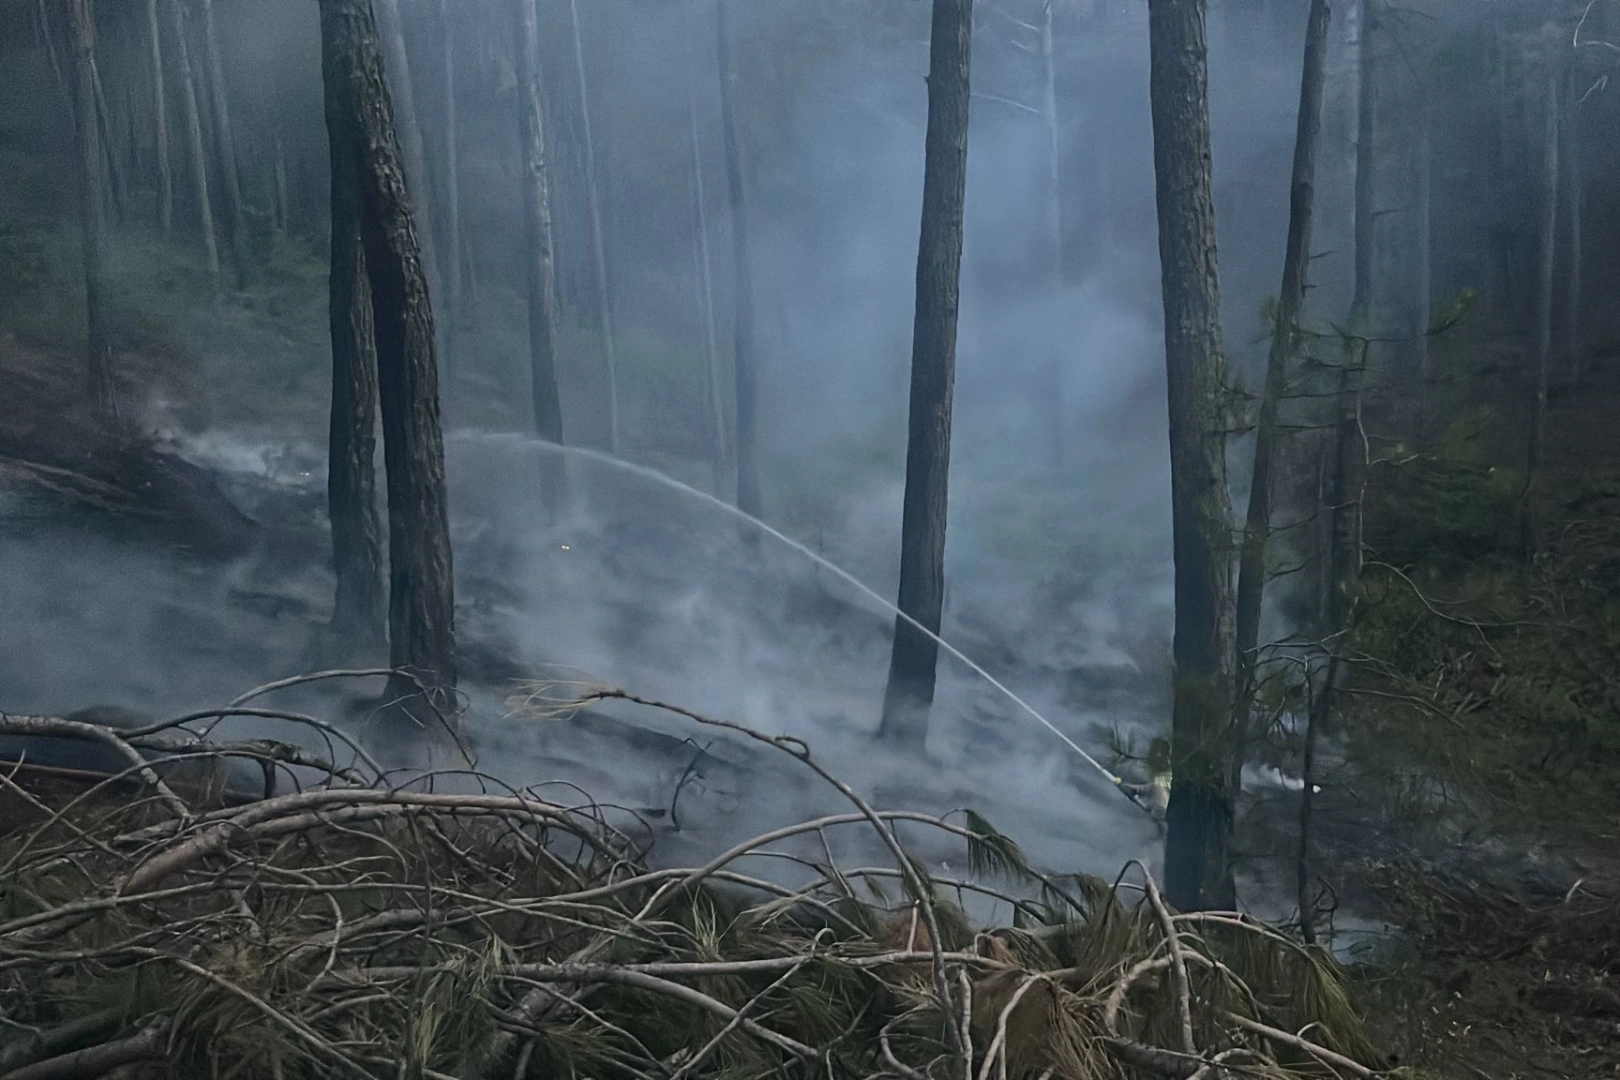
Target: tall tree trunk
[(1054, 148), (48, 30), (1290, 304), (1366, 186), (230, 172), (160, 121), (1341, 572), (593, 198), (451, 266), (421, 608), (537, 228), (743, 360), (1199, 819), (282, 199), (1425, 275), (1051, 402), (114, 189), (1575, 205), (132, 149), (912, 664), (408, 132), (92, 210), (1341, 568), (194, 140), (357, 613), (1544, 318), (704, 268)]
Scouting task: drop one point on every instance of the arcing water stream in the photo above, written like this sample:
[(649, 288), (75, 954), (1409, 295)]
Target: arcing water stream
[(673, 484)]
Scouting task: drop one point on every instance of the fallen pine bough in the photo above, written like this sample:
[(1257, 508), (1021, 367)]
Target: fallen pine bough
[(354, 928)]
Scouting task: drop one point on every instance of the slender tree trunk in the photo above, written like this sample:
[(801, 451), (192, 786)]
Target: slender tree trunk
[(1575, 200), (451, 266), (408, 131), (92, 210), (1052, 390), (1425, 297), (421, 608), (194, 140), (912, 665), (743, 360), (1290, 304), (1544, 318), (1504, 95), (225, 147), (160, 120), (1366, 187), (1103, 176), (132, 150), (48, 35), (704, 267), (1199, 819), (1054, 148), (1304, 873), (537, 228), (283, 204), (1317, 713), (1342, 587), (114, 189), (593, 197), (357, 614)]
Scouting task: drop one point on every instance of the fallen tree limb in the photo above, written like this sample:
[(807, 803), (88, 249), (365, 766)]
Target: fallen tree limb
[(99, 1060), (350, 928)]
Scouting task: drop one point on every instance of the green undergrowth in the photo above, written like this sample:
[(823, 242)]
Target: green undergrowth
[(1486, 683)]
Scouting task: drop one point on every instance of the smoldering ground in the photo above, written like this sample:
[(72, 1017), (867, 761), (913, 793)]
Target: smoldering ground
[(1058, 553)]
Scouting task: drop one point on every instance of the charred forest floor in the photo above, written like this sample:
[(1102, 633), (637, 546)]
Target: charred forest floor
[(1475, 810)]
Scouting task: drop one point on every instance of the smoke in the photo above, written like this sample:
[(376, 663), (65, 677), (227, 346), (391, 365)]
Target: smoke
[(1058, 555)]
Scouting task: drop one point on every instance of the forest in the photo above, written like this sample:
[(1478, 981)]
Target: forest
[(910, 539)]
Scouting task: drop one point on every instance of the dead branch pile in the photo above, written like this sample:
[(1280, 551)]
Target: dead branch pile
[(351, 927)]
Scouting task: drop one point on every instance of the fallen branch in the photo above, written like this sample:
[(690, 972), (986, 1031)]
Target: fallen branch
[(350, 928)]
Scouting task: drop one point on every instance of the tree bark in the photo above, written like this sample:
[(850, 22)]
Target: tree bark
[(744, 374), (421, 609), (1054, 150), (548, 422), (1366, 186), (704, 267), (1575, 205), (194, 141), (593, 196), (48, 33), (114, 187), (1199, 818), (102, 1059), (408, 131), (92, 211), (225, 147), (358, 625), (1342, 574), (1052, 390), (1544, 317), (912, 664), (282, 199), (1290, 304), (451, 266), (160, 120)]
